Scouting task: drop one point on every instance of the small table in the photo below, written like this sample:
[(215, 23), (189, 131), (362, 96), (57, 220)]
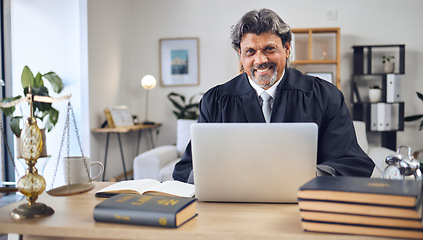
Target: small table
[(126, 129)]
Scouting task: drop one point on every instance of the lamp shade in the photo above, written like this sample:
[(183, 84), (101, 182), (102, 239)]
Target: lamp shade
[(148, 82)]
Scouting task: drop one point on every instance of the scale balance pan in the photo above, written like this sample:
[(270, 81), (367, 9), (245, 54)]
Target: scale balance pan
[(72, 189)]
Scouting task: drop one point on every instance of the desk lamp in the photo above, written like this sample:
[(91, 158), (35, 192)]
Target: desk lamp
[(148, 82)]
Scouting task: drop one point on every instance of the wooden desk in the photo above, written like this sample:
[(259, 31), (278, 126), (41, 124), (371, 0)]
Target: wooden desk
[(73, 219), (127, 129)]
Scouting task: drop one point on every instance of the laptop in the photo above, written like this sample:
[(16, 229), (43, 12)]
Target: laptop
[(252, 162)]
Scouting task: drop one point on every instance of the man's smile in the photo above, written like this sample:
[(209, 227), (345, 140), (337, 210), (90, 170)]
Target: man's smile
[(263, 70)]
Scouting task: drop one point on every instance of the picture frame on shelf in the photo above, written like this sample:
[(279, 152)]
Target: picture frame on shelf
[(179, 61), (119, 116), (328, 76)]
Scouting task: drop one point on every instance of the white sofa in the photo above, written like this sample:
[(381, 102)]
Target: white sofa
[(158, 163), (377, 154)]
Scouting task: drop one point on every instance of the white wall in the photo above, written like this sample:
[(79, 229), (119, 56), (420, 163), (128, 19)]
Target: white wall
[(48, 35), (124, 37)]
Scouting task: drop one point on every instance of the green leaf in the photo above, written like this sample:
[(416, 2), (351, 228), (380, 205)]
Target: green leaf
[(176, 104), (55, 81), (185, 110), (48, 125), (27, 77), (420, 95), (178, 116), (51, 121), (38, 81), (53, 116), (9, 111), (413, 118), (14, 125)]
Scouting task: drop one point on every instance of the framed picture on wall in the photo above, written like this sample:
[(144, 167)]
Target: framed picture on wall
[(179, 61)]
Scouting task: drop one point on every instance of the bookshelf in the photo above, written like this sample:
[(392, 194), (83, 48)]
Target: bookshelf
[(318, 46), (368, 71)]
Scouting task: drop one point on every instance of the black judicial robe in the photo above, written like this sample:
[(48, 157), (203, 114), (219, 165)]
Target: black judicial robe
[(298, 98)]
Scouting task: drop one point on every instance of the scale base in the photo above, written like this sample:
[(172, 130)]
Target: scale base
[(35, 210), (72, 189)]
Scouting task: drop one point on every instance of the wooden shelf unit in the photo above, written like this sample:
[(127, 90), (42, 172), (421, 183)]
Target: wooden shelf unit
[(366, 73), (311, 59)]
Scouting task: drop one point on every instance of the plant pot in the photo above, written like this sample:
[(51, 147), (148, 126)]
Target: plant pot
[(388, 67), (375, 95), (19, 150)]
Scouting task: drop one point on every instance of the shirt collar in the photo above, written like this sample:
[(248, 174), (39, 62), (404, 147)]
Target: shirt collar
[(271, 91)]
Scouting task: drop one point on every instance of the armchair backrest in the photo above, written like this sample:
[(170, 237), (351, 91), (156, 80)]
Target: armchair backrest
[(360, 131), (183, 135)]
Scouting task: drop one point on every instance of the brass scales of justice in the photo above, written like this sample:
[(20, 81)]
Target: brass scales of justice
[(31, 185)]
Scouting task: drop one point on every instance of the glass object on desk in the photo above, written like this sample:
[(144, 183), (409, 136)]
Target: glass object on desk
[(31, 184)]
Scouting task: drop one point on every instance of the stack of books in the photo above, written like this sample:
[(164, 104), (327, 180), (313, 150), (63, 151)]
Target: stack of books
[(362, 206)]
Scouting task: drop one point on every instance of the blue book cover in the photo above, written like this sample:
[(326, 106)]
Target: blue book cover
[(389, 192), (151, 210)]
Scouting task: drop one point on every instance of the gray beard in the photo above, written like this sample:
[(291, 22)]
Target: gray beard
[(272, 79)]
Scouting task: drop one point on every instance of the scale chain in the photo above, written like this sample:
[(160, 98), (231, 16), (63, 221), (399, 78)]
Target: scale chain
[(66, 134), (60, 148), (68, 147), (79, 141)]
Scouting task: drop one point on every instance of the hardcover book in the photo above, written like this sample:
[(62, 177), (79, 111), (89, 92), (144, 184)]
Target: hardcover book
[(150, 210), (362, 220), (362, 230), (388, 192), (148, 186), (362, 209)]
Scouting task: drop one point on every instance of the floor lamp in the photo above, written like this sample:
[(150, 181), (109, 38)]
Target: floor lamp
[(148, 82)]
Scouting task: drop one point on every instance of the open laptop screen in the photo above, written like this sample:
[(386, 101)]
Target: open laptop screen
[(252, 162)]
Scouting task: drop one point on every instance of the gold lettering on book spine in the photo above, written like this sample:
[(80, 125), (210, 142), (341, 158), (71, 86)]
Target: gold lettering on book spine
[(141, 200), (124, 199), (379, 185), (119, 217), (167, 202)]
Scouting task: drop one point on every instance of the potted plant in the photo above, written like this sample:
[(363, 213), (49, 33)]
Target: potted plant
[(187, 113), (417, 116), (184, 110), (375, 93), (388, 64), (42, 111)]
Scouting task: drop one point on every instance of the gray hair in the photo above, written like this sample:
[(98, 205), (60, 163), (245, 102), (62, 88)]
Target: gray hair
[(260, 21)]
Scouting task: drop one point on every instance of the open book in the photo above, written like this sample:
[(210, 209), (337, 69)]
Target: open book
[(148, 186)]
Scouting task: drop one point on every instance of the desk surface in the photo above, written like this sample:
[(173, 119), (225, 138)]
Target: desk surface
[(73, 219), (125, 129)]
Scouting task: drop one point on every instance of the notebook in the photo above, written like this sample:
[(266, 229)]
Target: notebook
[(252, 162)]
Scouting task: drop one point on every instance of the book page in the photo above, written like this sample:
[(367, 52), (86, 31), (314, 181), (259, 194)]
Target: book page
[(173, 188), (131, 186)]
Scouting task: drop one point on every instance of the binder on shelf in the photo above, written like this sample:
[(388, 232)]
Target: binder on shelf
[(373, 117), (393, 88), (395, 116), (380, 117)]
